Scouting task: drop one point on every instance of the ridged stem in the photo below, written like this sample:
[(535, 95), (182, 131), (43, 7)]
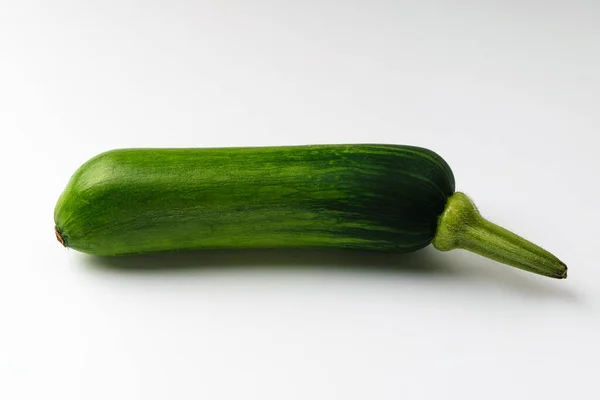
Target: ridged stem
[(461, 226)]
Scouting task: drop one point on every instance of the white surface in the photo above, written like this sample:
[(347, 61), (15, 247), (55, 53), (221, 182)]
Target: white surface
[(507, 91)]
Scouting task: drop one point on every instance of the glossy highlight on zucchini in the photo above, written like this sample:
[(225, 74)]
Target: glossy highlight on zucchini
[(376, 197)]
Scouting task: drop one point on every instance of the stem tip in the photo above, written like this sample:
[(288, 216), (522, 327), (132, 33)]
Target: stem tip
[(59, 237)]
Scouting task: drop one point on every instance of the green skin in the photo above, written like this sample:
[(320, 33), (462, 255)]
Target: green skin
[(364, 197)]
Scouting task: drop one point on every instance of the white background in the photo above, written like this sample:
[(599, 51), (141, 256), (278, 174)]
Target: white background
[(508, 92)]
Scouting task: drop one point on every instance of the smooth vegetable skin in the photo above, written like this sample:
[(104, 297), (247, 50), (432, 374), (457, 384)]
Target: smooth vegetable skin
[(367, 197)]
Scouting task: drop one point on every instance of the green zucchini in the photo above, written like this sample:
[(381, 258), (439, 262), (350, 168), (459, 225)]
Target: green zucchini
[(388, 198)]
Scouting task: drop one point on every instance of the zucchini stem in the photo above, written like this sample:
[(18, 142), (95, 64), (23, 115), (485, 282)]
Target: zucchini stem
[(59, 237), (461, 226)]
